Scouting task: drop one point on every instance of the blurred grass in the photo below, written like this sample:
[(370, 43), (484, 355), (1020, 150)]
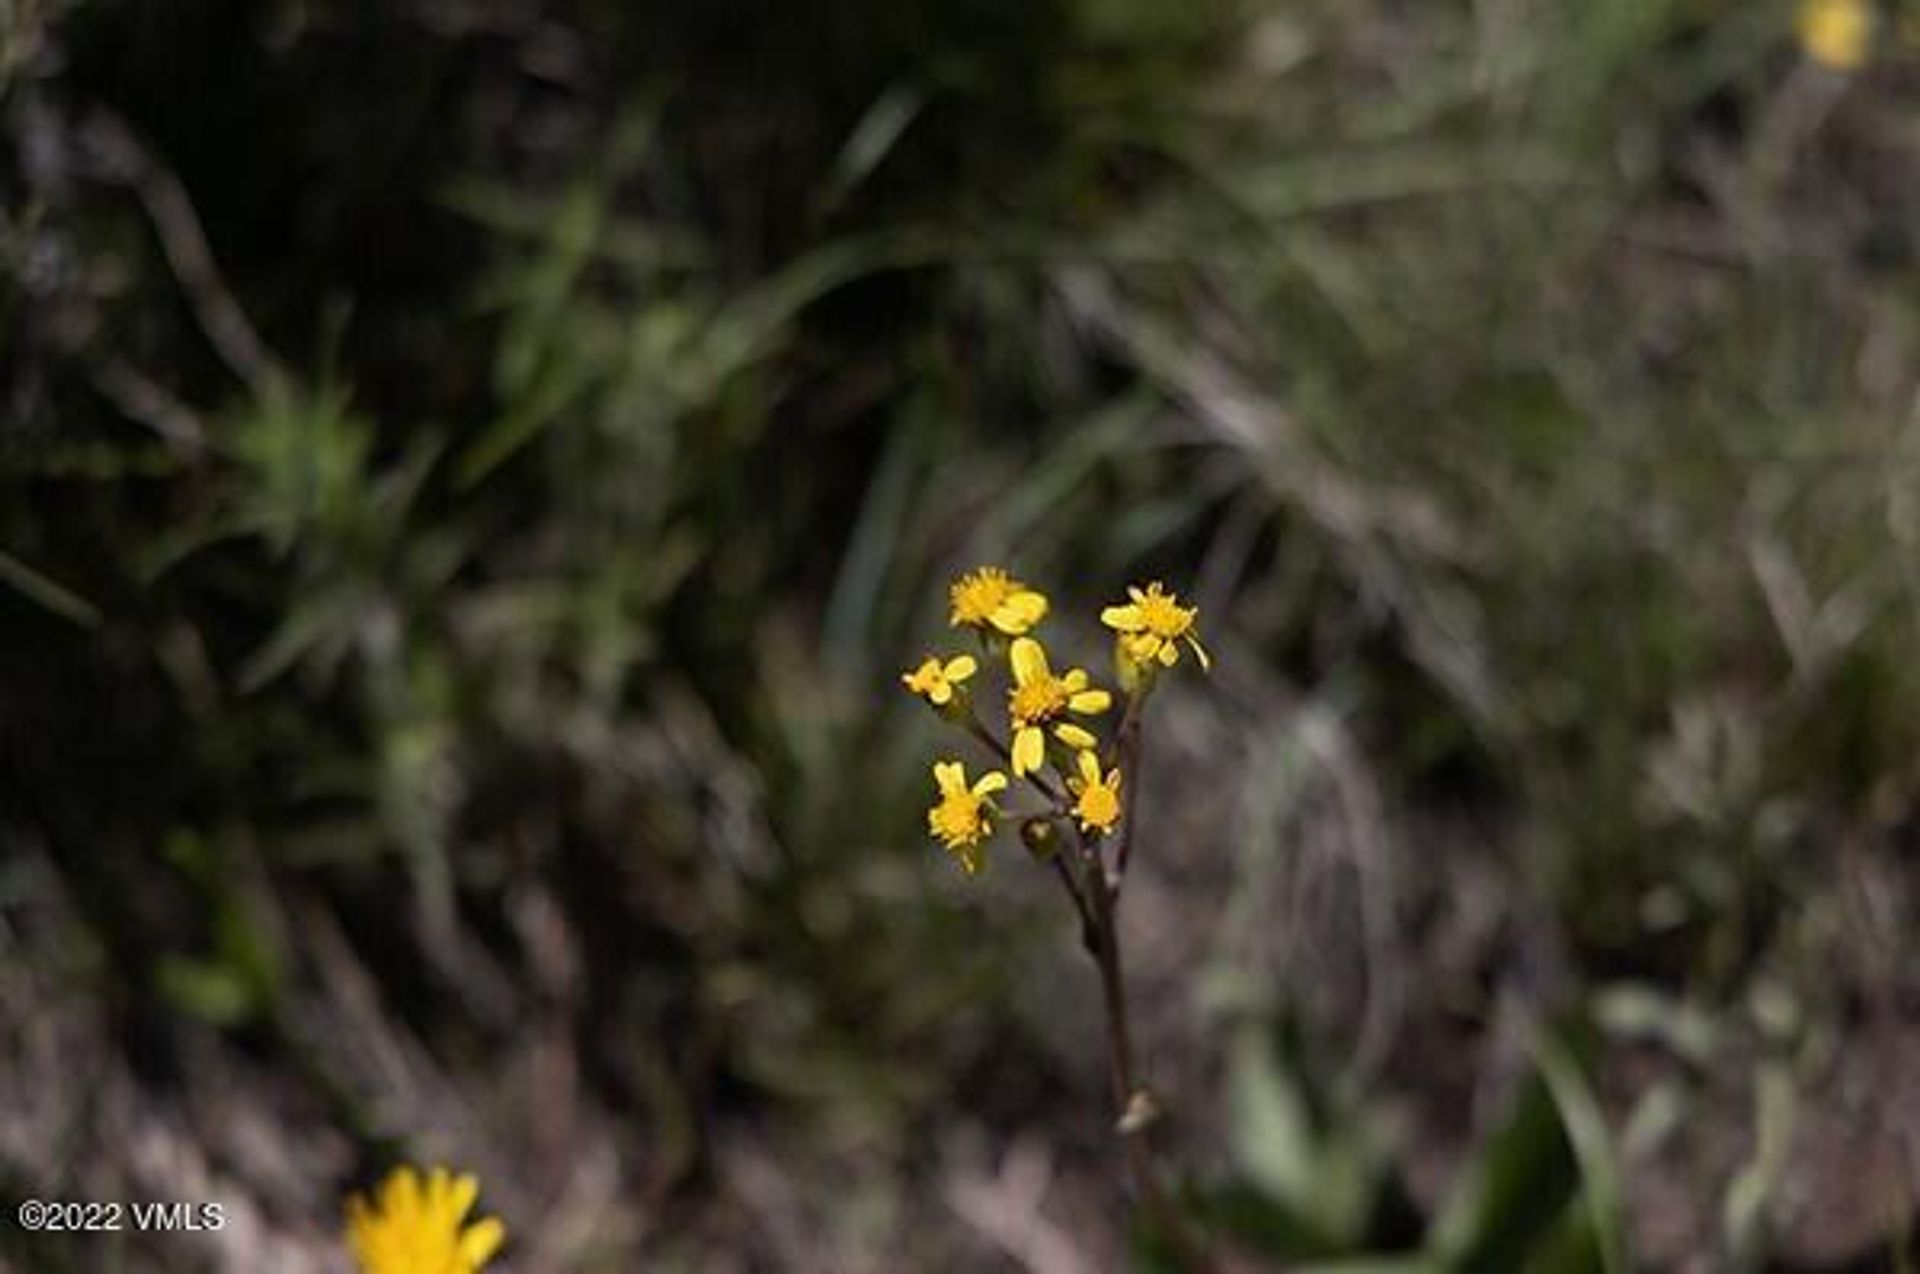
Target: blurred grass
[(1524, 388)]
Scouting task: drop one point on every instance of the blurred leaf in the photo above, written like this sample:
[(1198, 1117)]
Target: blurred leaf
[(1257, 1220), (1744, 1222), (873, 137), (1601, 1204), (1637, 1011), (878, 536), (1515, 1186), (54, 597), (305, 454), (1314, 1163), (212, 992), (320, 627)]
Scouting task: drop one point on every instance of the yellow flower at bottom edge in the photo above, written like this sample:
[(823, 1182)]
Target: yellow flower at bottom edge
[(961, 819), (1039, 698), (1153, 625), (413, 1226), (1836, 33), (991, 599), (936, 682), (1096, 796)]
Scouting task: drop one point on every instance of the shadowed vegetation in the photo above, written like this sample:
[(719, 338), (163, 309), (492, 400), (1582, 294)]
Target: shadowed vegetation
[(474, 473)]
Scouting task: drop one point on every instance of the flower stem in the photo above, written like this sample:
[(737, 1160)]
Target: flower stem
[(1132, 1103), (1088, 932), (1113, 987), (1127, 748), (999, 749)]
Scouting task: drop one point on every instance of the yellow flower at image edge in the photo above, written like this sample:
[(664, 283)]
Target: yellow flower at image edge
[(1153, 625), (989, 598), (1096, 796), (416, 1226), (935, 681), (1039, 697), (1836, 33), (960, 819)]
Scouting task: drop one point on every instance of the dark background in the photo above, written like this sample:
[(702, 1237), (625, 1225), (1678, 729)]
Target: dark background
[(474, 469)]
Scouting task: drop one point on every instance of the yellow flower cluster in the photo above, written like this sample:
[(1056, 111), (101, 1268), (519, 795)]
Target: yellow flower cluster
[(1151, 631), (1152, 626), (960, 819), (989, 598), (937, 682), (1039, 697), (1096, 799), (418, 1226), (1836, 33)]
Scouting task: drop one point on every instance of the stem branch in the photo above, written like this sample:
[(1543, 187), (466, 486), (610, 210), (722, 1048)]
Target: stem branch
[(1128, 750), (1088, 932), (999, 749)]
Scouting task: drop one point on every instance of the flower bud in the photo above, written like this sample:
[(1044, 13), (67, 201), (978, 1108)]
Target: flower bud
[(957, 710), (1141, 1114), (1040, 837), (1134, 675)]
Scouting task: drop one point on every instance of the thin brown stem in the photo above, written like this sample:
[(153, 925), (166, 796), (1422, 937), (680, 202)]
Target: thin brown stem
[(1065, 873), (1095, 894), (1089, 934), (1132, 1103), (1127, 747), (1113, 988), (999, 749)]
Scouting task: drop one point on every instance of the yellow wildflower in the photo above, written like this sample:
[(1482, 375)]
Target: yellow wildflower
[(991, 598), (1152, 626), (1039, 697), (959, 819), (1836, 33), (935, 681), (1096, 797), (416, 1227)]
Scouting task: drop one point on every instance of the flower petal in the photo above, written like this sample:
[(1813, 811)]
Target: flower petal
[(1200, 653), (1169, 653), (1088, 702), (1029, 659), (960, 667), (1074, 737), (402, 1191), (479, 1241), (1029, 750), (989, 783), (1089, 766), (950, 775), (1021, 611), (1125, 619), (940, 694)]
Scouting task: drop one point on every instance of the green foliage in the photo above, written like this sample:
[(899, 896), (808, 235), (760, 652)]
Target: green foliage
[(1523, 388), (1541, 1192)]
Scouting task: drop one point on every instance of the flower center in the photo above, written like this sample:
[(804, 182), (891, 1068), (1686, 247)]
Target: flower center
[(1162, 616), (978, 595), (1099, 805), (1037, 700), (957, 817)]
